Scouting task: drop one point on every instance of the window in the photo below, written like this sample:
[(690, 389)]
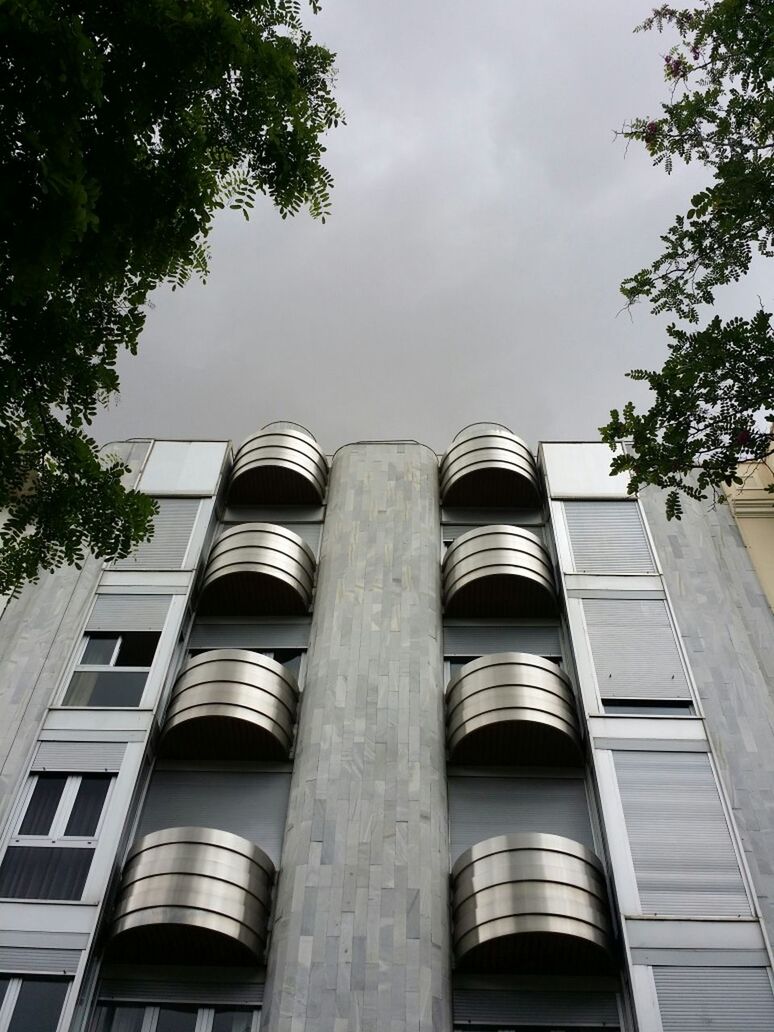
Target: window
[(636, 708), (52, 846), (31, 1003), (133, 1017), (113, 669)]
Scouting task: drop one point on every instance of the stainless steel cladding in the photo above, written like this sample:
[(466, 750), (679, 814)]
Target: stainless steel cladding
[(193, 895), (231, 704), (280, 465), (530, 903), (512, 708), (488, 465), (258, 569), (498, 571)]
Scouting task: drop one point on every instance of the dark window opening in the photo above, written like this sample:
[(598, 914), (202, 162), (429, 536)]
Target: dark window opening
[(43, 805), (38, 1005), (44, 872), (87, 808), (648, 708)]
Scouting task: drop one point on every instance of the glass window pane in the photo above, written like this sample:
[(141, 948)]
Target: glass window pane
[(39, 1005), (89, 801), (106, 688), (176, 1019), (118, 1017), (99, 649), (137, 648), (44, 872), (633, 708), (232, 1020), (42, 805)]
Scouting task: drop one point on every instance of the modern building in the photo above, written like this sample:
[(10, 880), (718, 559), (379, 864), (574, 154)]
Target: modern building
[(391, 742), (752, 505)]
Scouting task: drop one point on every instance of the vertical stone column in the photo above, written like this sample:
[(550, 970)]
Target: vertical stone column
[(361, 934)]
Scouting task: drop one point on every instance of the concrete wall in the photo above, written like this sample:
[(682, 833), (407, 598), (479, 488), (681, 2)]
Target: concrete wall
[(361, 936), (38, 631), (727, 628)]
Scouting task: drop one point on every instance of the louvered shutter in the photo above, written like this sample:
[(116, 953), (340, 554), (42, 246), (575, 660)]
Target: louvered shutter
[(684, 859), (129, 613), (484, 639), (608, 537), (35, 960), (480, 808), (252, 804), (79, 757), (172, 531), (508, 1007), (170, 990), (634, 649), (729, 999), (250, 636)]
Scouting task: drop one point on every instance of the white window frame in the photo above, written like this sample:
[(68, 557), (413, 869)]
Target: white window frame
[(11, 997), (56, 835), (205, 1016), (79, 666)]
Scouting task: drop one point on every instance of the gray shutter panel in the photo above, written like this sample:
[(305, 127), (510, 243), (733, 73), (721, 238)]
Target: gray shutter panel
[(608, 537), (308, 532), (79, 757), (532, 1007), (34, 960), (634, 649), (480, 808), (694, 999), (166, 549), (250, 636), (684, 859), (484, 639), (252, 804), (129, 613), (166, 990)]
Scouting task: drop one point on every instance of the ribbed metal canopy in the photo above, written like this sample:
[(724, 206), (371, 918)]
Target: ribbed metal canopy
[(258, 569), (498, 570), (512, 708), (488, 465), (531, 903), (281, 464), (231, 704), (195, 895)]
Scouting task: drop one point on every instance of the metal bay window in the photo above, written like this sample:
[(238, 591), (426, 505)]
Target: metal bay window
[(52, 845), (112, 669)]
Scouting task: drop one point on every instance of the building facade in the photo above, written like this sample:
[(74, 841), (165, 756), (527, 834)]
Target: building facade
[(387, 740)]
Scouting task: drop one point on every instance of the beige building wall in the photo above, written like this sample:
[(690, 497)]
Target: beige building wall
[(753, 508)]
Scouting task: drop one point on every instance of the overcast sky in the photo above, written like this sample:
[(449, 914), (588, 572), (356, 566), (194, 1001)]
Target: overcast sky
[(483, 219)]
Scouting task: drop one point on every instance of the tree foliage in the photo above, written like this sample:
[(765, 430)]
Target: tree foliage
[(717, 382), (123, 129)]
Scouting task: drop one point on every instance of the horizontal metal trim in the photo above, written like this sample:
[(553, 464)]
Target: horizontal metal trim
[(699, 958), (487, 464), (278, 465), (679, 745)]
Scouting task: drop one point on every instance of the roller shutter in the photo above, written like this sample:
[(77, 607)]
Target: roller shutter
[(483, 639), (634, 649), (694, 999), (480, 808), (129, 613), (166, 550), (79, 757), (608, 537), (515, 1007), (252, 804), (684, 859)]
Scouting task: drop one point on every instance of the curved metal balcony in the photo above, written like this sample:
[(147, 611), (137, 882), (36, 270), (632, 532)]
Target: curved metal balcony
[(488, 465), (531, 903), (193, 894), (498, 571), (282, 464), (512, 708), (231, 704), (258, 569)]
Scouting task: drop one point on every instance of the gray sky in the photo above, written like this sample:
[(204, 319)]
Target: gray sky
[(483, 219)]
